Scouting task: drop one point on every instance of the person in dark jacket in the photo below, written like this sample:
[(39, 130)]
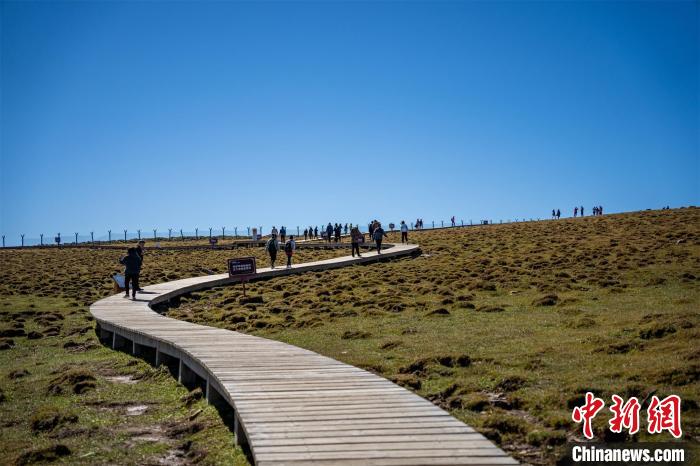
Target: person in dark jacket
[(140, 250), (378, 235), (132, 263), (356, 238), (329, 232)]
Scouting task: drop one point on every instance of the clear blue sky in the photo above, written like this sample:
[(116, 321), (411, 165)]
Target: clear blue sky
[(177, 114)]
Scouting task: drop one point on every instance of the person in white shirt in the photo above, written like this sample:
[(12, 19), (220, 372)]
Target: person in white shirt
[(404, 232)]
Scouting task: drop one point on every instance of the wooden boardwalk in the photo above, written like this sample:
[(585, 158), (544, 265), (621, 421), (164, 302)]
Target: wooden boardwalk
[(291, 405)]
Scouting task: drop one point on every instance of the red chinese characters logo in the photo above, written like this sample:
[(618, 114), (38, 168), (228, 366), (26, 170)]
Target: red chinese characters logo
[(665, 415), (662, 415), (625, 415), (587, 412)]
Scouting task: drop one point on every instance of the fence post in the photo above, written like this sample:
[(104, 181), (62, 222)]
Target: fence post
[(181, 235), (196, 233), (297, 231), (223, 232), (209, 232), (235, 232), (92, 237), (22, 235)]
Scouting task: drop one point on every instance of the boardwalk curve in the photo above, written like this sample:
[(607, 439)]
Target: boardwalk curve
[(291, 405)]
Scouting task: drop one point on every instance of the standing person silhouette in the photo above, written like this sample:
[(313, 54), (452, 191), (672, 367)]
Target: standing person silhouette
[(575, 211), (558, 213), (378, 235), (272, 247), (329, 232), (132, 270), (355, 239), (289, 248), (404, 232), (283, 233), (581, 211)]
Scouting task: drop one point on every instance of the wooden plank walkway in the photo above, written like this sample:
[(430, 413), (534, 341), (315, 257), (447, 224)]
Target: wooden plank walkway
[(291, 405)]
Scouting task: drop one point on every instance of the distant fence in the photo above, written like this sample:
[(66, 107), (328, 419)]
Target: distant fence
[(114, 237)]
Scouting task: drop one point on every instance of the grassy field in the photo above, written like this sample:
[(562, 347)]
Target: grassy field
[(505, 326), (66, 398)]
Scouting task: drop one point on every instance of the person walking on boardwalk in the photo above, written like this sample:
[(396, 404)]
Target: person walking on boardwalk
[(370, 230), (575, 211), (306, 234), (378, 235), (140, 250), (132, 269), (329, 232), (558, 214), (273, 231), (581, 211), (554, 213), (289, 248), (404, 232), (355, 239), (283, 233), (272, 246), (338, 230)]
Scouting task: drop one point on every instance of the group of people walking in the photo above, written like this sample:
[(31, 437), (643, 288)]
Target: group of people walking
[(273, 247), (578, 211)]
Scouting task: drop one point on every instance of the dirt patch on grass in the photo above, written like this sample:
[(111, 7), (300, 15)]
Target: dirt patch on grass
[(75, 380)]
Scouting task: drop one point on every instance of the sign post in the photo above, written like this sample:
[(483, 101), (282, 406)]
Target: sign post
[(242, 268)]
